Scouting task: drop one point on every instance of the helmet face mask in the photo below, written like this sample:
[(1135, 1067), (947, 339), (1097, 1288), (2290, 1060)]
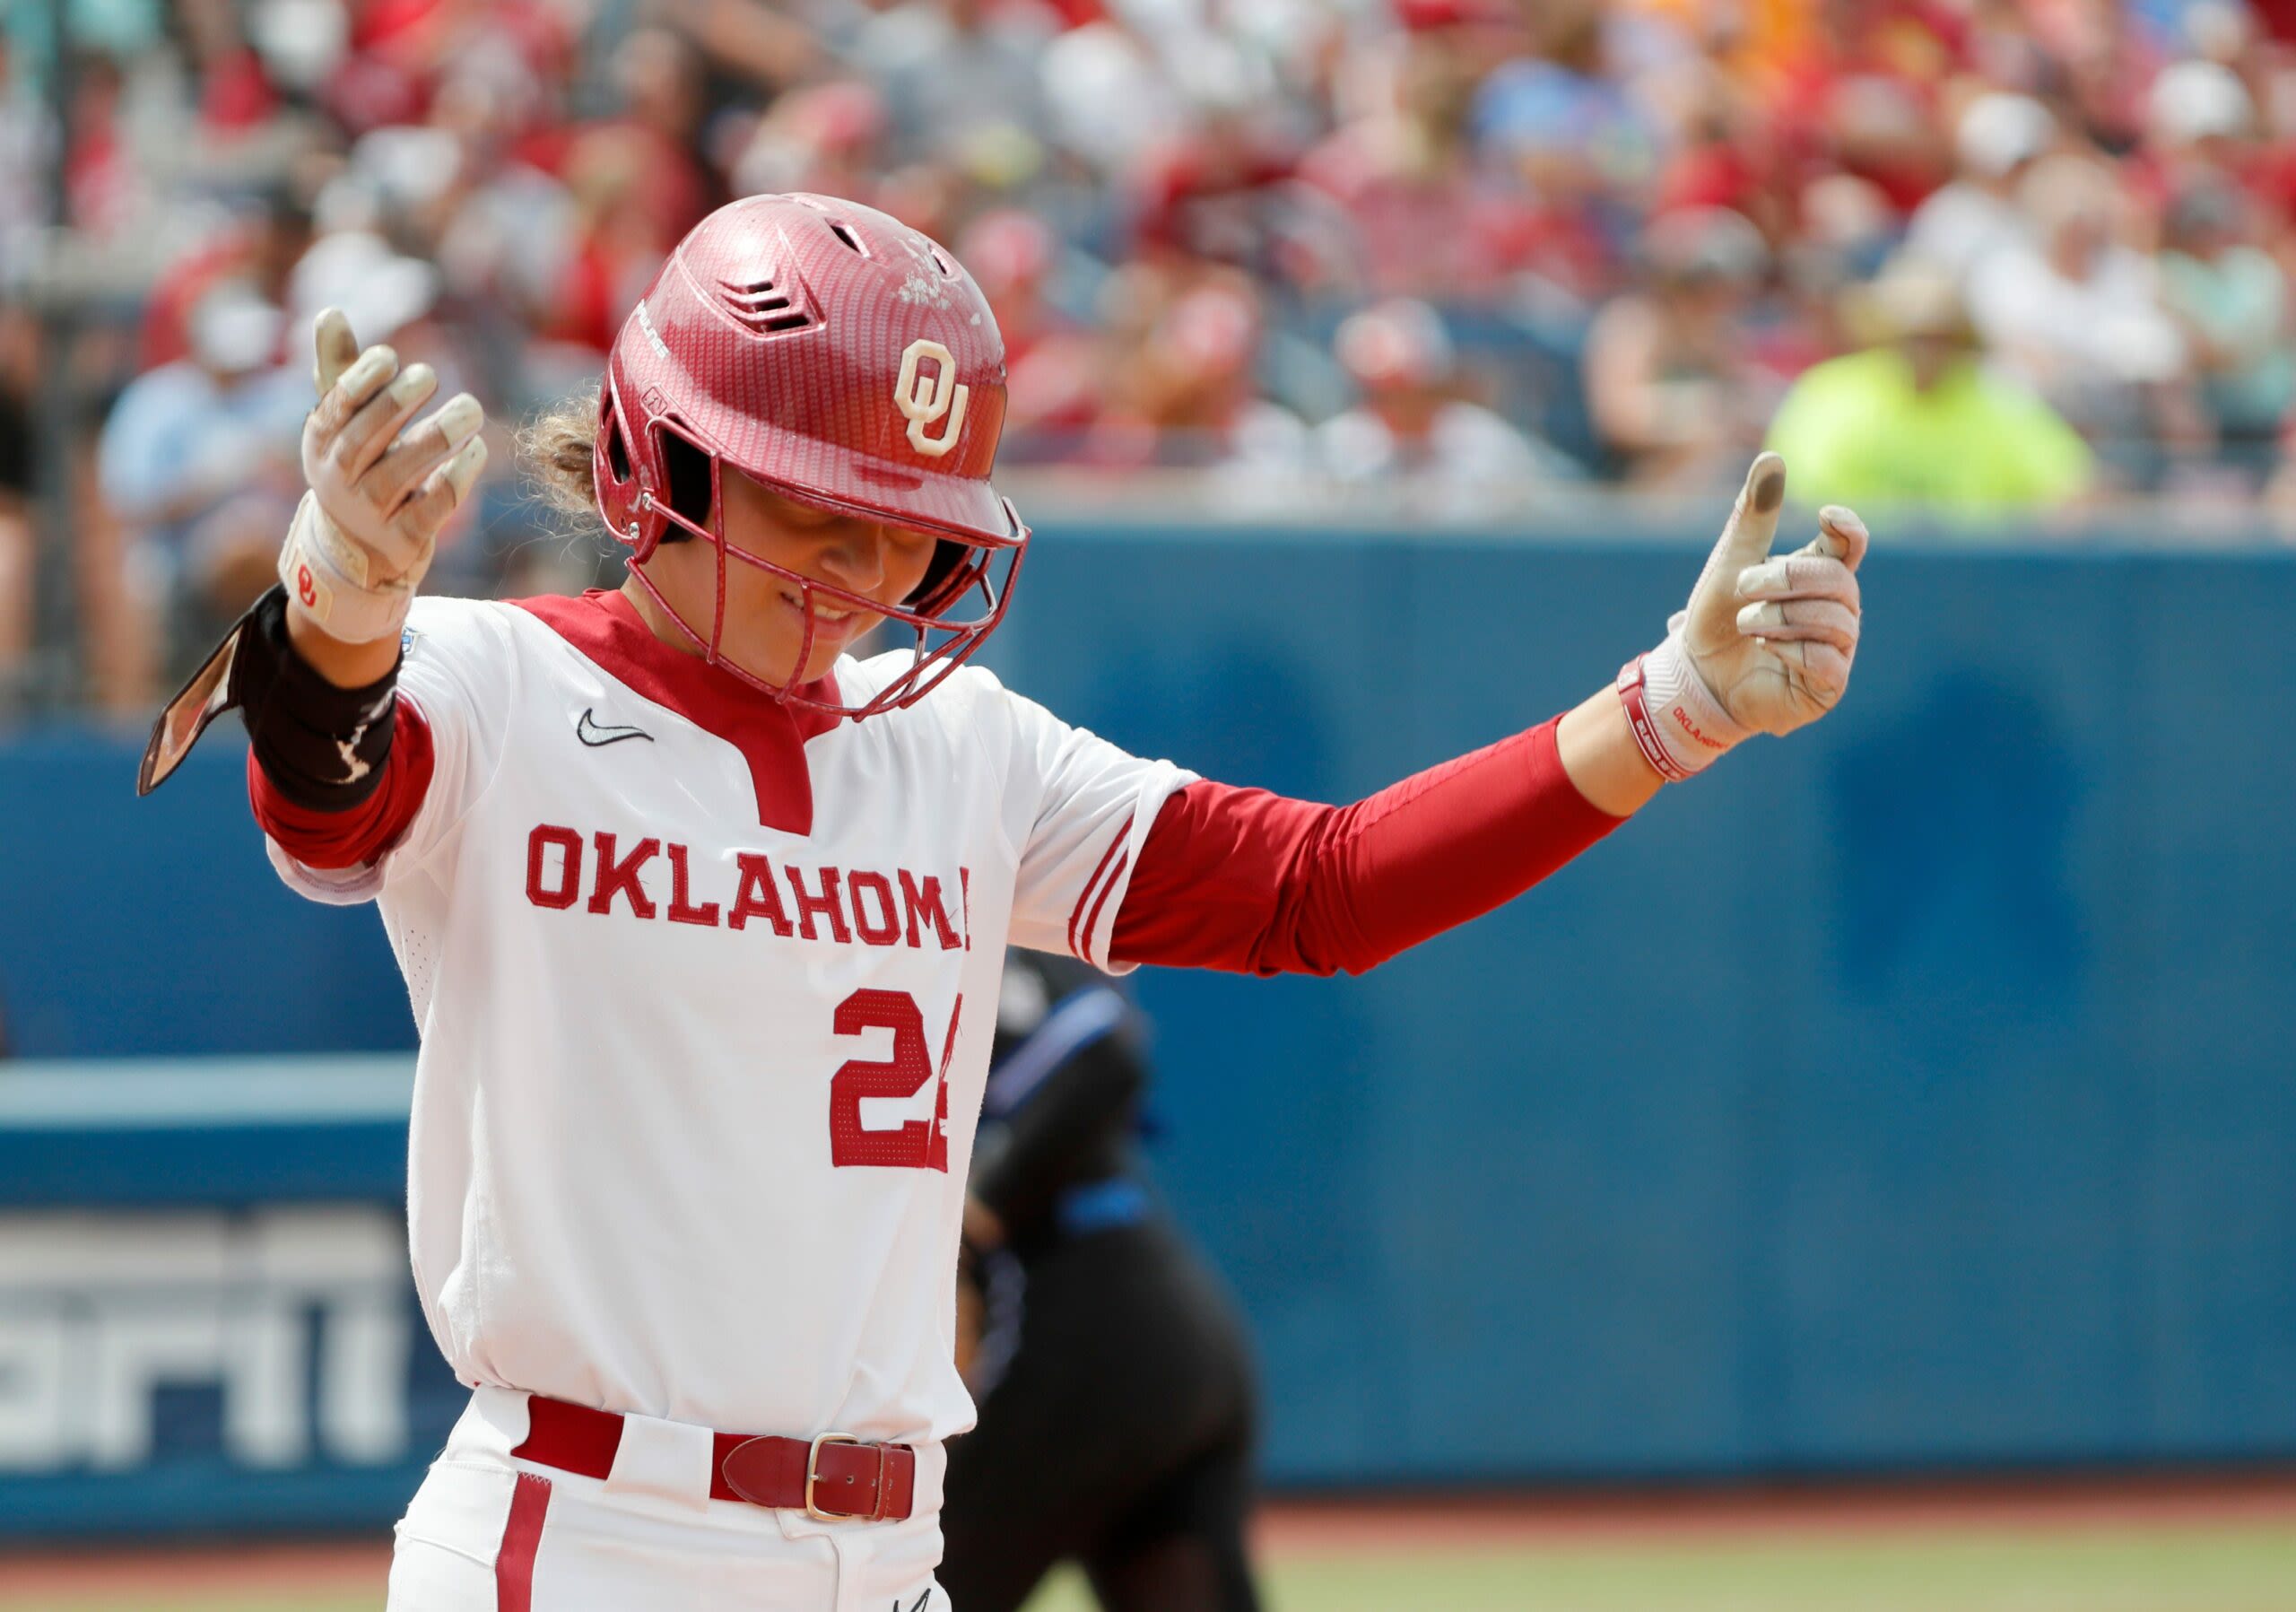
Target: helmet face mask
[(871, 385)]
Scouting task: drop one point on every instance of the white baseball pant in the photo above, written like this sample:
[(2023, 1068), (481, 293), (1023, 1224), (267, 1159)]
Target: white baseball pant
[(488, 1533)]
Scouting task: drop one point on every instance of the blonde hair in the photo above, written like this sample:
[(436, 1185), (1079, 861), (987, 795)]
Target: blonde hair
[(555, 448)]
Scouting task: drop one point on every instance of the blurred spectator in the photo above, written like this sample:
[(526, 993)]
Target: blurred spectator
[(767, 47), (1585, 149), (1997, 141), (658, 74), (1674, 391), (356, 270), (26, 138), (1638, 221), (960, 79), (199, 458), (2000, 47), (1107, 98), (827, 138), (1051, 362), (19, 375), (2104, 63), (1724, 151), (2200, 125), (260, 247), (1188, 396), (104, 194), (1415, 436), (2230, 298), (616, 246), (506, 229), (1860, 89), (2076, 314), (1847, 230), (1427, 218), (2200, 115), (1222, 194), (234, 92), (1918, 418)]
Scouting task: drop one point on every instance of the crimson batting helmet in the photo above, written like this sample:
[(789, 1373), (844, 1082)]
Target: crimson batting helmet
[(847, 361)]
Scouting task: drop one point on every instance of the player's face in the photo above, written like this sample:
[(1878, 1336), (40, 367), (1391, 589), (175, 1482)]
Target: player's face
[(765, 618)]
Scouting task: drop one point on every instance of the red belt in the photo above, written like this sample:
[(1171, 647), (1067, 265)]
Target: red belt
[(833, 1477)]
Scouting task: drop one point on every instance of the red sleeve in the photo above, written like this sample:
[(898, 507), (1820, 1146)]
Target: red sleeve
[(1244, 880), (352, 838)]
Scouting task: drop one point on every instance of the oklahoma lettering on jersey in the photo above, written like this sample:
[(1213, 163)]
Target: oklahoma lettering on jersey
[(917, 916), (707, 990)]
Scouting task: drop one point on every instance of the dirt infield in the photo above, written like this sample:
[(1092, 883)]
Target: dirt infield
[(196, 1571), (1351, 1526)]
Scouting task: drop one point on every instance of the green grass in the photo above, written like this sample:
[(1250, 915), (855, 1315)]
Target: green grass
[(2196, 1567), (2158, 1568)]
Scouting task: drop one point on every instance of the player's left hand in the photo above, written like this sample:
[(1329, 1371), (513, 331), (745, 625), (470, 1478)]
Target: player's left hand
[(1774, 638), (1765, 646)]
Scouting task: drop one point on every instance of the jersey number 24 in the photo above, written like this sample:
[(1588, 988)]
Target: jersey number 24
[(919, 1145)]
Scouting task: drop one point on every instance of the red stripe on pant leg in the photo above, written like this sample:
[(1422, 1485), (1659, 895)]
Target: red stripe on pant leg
[(514, 1563)]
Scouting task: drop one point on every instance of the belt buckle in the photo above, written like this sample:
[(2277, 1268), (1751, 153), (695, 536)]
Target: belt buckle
[(812, 1477)]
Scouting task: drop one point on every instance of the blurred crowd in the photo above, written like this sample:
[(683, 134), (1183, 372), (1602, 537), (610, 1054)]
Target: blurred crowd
[(2000, 256)]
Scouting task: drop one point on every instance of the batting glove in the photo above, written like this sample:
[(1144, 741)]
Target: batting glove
[(363, 535), (1765, 645)]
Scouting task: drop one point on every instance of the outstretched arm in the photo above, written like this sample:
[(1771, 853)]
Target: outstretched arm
[(1244, 880)]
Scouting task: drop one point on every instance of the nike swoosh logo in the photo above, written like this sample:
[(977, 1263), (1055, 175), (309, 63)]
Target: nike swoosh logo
[(589, 731)]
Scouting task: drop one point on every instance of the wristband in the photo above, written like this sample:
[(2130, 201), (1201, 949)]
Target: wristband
[(1677, 723), (329, 580), (1632, 692)]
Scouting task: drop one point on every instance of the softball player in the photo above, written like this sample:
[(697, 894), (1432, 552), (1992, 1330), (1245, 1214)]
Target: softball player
[(702, 917)]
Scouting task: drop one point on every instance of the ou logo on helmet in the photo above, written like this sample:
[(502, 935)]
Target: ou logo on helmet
[(927, 398)]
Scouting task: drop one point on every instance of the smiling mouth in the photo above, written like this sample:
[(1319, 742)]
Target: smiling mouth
[(829, 616)]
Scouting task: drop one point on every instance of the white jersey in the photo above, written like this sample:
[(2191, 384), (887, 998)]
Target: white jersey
[(706, 1008)]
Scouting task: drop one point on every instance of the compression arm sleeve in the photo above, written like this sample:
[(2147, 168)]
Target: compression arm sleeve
[(1254, 882), (356, 834)]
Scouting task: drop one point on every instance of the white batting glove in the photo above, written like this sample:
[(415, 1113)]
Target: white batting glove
[(1765, 645), (364, 534)]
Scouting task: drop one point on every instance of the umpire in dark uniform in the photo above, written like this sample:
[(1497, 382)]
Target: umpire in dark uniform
[(1111, 1371)]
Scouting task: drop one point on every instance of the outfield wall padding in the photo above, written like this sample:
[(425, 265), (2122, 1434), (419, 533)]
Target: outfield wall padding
[(1917, 1093)]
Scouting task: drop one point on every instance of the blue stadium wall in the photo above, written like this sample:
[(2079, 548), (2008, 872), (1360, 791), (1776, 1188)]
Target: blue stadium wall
[(1917, 1095)]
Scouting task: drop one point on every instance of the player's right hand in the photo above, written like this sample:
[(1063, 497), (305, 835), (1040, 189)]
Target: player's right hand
[(379, 493)]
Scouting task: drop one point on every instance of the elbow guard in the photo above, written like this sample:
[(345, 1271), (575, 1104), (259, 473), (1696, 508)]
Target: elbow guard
[(321, 747)]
